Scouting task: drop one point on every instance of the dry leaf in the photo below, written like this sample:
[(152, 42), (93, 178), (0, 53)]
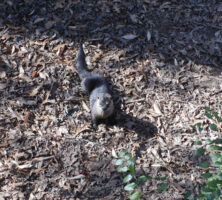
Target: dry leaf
[(49, 24), (79, 130), (114, 153), (129, 36), (85, 106), (13, 49), (148, 35), (97, 56), (134, 18), (175, 62), (157, 109), (21, 71), (3, 86), (40, 19), (35, 91)]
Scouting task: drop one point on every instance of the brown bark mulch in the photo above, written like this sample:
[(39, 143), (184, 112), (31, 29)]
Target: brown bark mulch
[(163, 60)]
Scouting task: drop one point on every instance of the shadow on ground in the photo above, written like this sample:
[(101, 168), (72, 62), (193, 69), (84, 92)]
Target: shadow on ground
[(181, 30)]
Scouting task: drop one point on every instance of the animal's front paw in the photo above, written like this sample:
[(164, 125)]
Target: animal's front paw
[(94, 126)]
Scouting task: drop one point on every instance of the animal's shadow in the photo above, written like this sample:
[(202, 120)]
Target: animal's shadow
[(120, 118)]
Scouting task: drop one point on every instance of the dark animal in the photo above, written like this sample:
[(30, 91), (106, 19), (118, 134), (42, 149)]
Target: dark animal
[(101, 102)]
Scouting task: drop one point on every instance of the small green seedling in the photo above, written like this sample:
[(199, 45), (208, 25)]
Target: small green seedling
[(126, 164)]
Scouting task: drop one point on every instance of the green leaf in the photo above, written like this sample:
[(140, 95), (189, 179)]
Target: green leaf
[(130, 187), (213, 127), (128, 156), (208, 141), (199, 196), (143, 178), (162, 187), (217, 194), (206, 175), (215, 114), (217, 164), (207, 109), (132, 161), (161, 178), (194, 129), (198, 143), (207, 189), (204, 165), (217, 141), (219, 119), (175, 180), (199, 126), (207, 114), (122, 153), (214, 183), (187, 194), (119, 162), (219, 176), (123, 169), (132, 169), (216, 157), (200, 152), (127, 178), (215, 147), (135, 196)]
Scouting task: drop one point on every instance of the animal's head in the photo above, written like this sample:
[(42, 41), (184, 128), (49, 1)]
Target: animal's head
[(105, 101)]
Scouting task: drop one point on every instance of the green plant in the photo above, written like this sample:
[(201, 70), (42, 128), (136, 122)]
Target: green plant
[(214, 116), (214, 121), (213, 171), (212, 189), (126, 164)]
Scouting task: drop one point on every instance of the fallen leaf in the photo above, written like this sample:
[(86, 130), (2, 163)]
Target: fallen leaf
[(85, 106), (157, 108), (79, 130), (114, 153), (134, 18), (40, 19), (148, 35), (35, 91), (129, 36)]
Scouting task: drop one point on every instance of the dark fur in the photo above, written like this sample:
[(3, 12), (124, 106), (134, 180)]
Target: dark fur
[(94, 84)]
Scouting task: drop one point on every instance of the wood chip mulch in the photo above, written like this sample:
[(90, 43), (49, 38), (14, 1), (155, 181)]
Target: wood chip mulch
[(164, 62)]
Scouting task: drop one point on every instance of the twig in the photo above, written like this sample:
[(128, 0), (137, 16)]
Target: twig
[(135, 100)]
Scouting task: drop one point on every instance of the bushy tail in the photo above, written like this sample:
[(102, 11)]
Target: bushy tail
[(81, 64)]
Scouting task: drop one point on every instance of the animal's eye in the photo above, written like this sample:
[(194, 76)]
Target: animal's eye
[(97, 97)]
